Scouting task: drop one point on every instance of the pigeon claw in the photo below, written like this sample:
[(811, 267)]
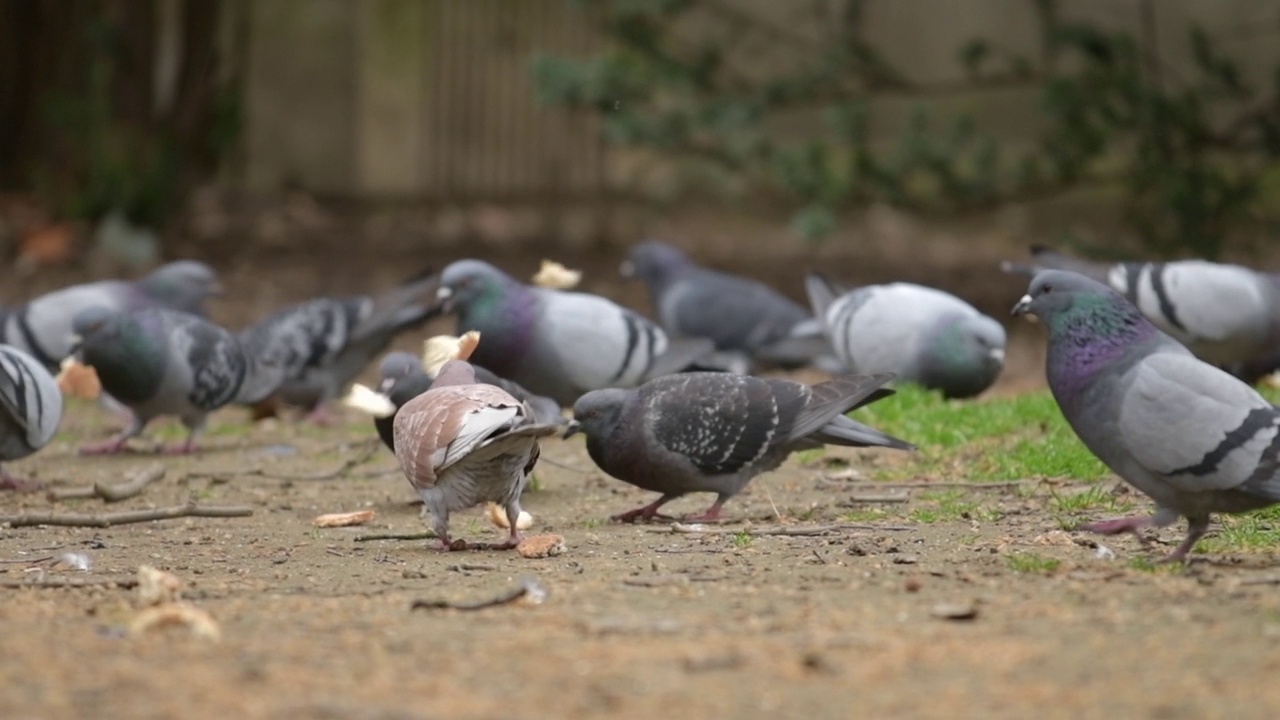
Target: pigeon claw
[(1117, 526), (19, 485), (110, 447)]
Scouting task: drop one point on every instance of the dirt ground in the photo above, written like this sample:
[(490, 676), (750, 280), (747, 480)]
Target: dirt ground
[(887, 618)]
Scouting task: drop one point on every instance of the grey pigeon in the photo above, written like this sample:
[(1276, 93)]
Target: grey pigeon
[(923, 335), (463, 443), (30, 410), (557, 343), (713, 432), (737, 314), (322, 344), (1228, 315), (403, 379), (42, 327), (1190, 436), (166, 362)]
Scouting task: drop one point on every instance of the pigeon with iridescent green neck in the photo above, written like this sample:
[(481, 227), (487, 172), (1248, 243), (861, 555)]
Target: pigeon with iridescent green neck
[(42, 327), (924, 336), (164, 362), (1228, 315), (1188, 435), (558, 343)]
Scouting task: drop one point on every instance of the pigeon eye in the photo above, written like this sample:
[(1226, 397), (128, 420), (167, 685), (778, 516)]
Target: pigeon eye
[(1047, 289)]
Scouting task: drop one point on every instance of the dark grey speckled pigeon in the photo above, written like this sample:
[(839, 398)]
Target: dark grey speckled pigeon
[(557, 343), (1228, 315), (324, 343), (42, 327), (30, 410), (736, 313), (714, 432), (402, 379), (1190, 436), (165, 362)]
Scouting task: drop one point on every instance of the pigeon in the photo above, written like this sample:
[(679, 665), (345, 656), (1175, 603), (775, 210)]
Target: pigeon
[(402, 379), (1227, 315), (324, 343), (167, 362), (42, 327), (30, 410), (737, 314), (713, 432), (1193, 438), (557, 343), (463, 443), (923, 335)]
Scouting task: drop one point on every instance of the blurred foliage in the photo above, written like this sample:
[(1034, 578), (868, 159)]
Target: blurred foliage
[(88, 131), (1190, 155)]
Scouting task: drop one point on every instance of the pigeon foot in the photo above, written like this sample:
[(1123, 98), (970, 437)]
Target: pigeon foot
[(1116, 526), (646, 513), (114, 446), (19, 485)]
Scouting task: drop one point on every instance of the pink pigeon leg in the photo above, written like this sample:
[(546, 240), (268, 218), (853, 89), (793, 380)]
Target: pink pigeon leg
[(646, 513)]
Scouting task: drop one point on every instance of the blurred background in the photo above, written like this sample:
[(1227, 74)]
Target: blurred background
[(340, 145)]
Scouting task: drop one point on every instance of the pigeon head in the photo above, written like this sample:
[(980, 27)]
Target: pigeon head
[(652, 261), (1064, 300), (96, 323), (397, 366), (466, 284), (598, 412), (182, 285), (455, 372), (965, 356)]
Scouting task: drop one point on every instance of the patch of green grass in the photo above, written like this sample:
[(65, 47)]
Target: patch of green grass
[(1258, 530), (743, 539), (951, 505), (868, 515), (991, 439), (1071, 508), (1032, 563)]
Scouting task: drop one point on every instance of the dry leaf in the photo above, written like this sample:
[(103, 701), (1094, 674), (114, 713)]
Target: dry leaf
[(556, 276), (157, 586), (358, 517), (177, 614), (498, 516)]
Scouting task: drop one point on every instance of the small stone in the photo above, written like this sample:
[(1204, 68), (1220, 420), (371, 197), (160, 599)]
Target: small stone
[(906, 560), (913, 584), (954, 611)]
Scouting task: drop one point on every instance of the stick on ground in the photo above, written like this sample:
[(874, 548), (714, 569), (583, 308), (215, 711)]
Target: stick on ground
[(124, 518), (112, 493)]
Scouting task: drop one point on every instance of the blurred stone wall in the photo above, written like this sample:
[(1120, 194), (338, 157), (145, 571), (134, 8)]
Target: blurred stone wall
[(434, 98)]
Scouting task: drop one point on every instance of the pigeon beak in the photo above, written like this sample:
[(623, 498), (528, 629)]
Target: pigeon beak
[(573, 428), (1023, 307), (77, 342), (997, 354), (444, 298), (627, 269)]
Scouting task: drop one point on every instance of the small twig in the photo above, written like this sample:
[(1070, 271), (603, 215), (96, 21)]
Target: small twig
[(339, 471), (395, 536), (112, 493), (789, 530), (529, 590), (48, 583), (124, 518), (927, 485), (33, 561), (1261, 581), (566, 466)]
